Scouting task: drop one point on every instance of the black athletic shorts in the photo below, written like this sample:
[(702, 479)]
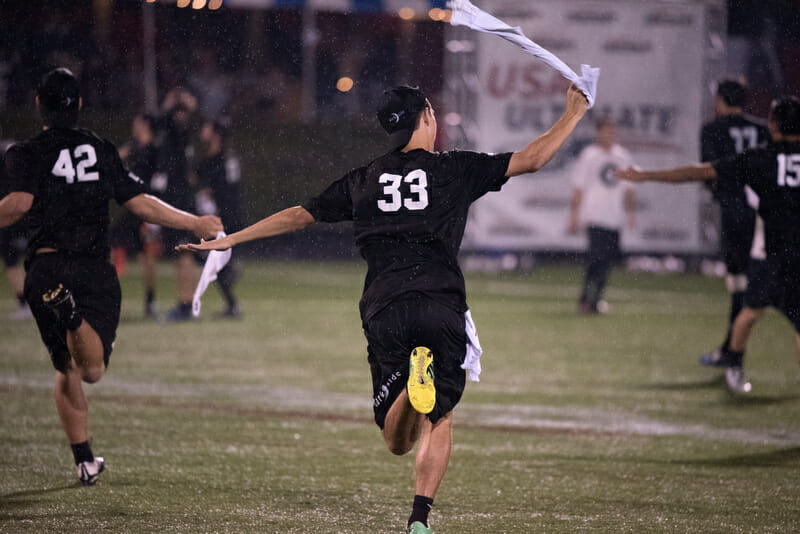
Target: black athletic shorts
[(738, 221), (768, 285), (786, 293), (416, 321), (760, 282), (13, 242), (94, 285)]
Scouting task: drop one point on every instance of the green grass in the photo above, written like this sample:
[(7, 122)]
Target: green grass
[(603, 424)]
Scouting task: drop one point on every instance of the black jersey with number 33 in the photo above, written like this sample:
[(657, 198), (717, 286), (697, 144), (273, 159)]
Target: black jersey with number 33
[(774, 175), (72, 174), (409, 210)]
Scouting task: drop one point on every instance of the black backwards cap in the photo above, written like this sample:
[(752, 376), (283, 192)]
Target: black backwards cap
[(400, 108), (785, 112), (732, 92), (59, 91)]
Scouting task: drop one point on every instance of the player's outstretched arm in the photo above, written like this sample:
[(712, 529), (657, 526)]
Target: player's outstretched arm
[(284, 222), (156, 211), (538, 153), (13, 206), (695, 173)]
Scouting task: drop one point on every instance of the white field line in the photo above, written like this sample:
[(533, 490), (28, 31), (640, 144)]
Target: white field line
[(502, 416), (560, 291)]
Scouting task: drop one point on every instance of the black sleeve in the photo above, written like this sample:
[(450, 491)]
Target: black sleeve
[(708, 145), (482, 172), (21, 175), (334, 204), (735, 169), (126, 184)]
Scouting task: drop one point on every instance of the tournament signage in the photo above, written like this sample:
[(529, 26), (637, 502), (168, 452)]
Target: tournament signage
[(654, 58)]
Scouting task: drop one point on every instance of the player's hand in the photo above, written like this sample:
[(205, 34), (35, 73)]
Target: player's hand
[(208, 226), (631, 174), (577, 103), (213, 244)]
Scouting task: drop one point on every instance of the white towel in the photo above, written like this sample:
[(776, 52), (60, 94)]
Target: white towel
[(472, 360), (216, 261), (466, 14)]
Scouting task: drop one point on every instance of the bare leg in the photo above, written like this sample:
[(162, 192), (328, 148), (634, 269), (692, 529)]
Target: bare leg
[(402, 426), (433, 455), (743, 326), (73, 410), (149, 272), (86, 365)]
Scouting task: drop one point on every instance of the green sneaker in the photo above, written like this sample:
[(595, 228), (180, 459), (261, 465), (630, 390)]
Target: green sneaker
[(421, 391), (418, 528)]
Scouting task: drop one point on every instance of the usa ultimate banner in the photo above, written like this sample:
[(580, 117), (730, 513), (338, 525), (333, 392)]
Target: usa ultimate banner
[(656, 59)]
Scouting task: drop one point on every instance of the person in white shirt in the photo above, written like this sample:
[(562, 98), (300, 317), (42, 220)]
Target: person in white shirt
[(601, 203)]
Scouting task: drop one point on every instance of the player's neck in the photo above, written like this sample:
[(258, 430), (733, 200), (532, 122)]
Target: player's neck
[(422, 138), (725, 111)]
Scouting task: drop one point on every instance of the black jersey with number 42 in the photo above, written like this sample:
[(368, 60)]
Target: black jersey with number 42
[(409, 210), (72, 175), (773, 173)]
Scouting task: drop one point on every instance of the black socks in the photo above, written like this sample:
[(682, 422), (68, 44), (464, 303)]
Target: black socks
[(422, 505), (82, 452), (733, 358)]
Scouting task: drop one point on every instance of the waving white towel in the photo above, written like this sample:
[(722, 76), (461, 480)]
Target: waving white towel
[(472, 359), (466, 14), (216, 261)]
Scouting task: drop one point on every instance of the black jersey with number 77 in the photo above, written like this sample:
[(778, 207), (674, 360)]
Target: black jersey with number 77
[(409, 210), (72, 175)]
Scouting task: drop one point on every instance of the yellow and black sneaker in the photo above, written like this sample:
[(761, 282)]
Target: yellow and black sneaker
[(421, 389)]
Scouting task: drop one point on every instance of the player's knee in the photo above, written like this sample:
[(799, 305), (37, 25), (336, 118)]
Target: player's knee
[(398, 446), (92, 373), (399, 449)]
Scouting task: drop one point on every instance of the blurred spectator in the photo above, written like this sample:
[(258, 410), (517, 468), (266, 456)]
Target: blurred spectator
[(601, 202), (129, 234), (209, 84), (172, 185), (219, 173)]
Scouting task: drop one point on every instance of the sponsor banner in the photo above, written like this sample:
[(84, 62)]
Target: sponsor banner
[(652, 57)]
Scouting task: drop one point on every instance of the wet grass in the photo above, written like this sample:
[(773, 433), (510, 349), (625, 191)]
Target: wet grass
[(602, 424)]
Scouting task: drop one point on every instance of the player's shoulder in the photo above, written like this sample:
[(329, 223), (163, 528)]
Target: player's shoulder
[(752, 120), (95, 139)]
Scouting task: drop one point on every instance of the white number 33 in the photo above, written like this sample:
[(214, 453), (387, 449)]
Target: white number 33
[(418, 191), (85, 156)]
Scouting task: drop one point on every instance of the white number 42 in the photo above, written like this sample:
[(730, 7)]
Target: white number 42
[(85, 156)]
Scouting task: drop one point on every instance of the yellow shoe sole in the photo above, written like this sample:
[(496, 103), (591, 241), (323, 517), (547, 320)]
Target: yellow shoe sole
[(421, 390)]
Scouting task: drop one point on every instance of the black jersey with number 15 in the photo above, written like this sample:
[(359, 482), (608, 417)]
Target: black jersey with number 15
[(409, 210), (72, 174), (774, 175)]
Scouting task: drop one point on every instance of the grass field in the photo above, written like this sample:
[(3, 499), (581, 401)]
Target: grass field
[(603, 424)]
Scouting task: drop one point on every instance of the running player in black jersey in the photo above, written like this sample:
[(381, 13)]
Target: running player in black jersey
[(730, 133), (13, 241), (64, 179), (409, 209), (773, 173)]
